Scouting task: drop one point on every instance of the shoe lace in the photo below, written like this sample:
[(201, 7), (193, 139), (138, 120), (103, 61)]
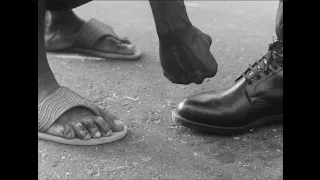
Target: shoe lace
[(273, 57)]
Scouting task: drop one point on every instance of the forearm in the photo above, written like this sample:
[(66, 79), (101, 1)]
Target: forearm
[(279, 21), (170, 16)]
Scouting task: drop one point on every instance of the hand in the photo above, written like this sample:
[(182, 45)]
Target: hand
[(185, 56)]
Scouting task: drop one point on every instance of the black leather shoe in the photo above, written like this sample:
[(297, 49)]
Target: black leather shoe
[(256, 98)]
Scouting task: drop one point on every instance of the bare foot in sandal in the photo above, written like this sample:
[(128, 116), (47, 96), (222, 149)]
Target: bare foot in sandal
[(63, 113), (63, 27), (76, 122)]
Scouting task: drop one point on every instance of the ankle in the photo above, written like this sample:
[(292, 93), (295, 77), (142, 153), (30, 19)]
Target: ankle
[(66, 21), (46, 85)]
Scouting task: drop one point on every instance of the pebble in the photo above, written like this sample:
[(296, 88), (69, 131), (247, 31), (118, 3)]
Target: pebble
[(236, 138), (146, 159), (157, 122), (196, 154), (135, 163), (173, 126), (274, 130), (43, 155), (55, 163), (63, 157), (93, 172)]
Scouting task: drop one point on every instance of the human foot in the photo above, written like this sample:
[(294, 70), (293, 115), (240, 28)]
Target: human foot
[(62, 28), (84, 122)]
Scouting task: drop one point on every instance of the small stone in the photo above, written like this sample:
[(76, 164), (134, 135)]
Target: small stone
[(278, 150), (67, 173), (93, 172), (236, 138), (274, 130), (43, 155), (173, 126), (63, 157), (55, 163), (157, 122), (135, 163), (196, 154), (146, 159), (251, 130), (183, 141)]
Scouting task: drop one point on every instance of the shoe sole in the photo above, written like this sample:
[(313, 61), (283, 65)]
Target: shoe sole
[(223, 130)]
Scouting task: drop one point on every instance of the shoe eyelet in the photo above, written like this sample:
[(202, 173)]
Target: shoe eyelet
[(266, 73), (275, 67), (250, 82)]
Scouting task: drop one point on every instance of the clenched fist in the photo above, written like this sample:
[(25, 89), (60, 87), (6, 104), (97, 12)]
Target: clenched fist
[(184, 50), (185, 56)]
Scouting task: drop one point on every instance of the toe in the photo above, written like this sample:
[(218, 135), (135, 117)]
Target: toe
[(113, 45), (102, 124), (90, 125), (80, 130), (69, 132), (56, 130), (115, 124), (126, 48), (61, 130), (125, 40)]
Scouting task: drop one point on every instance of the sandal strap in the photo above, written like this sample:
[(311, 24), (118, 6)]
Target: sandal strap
[(92, 31), (59, 102)]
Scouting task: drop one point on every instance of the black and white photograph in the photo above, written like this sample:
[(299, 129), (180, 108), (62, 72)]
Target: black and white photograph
[(160, 90)]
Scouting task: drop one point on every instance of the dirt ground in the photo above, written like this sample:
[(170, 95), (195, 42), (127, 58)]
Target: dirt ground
[(136, 91)]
